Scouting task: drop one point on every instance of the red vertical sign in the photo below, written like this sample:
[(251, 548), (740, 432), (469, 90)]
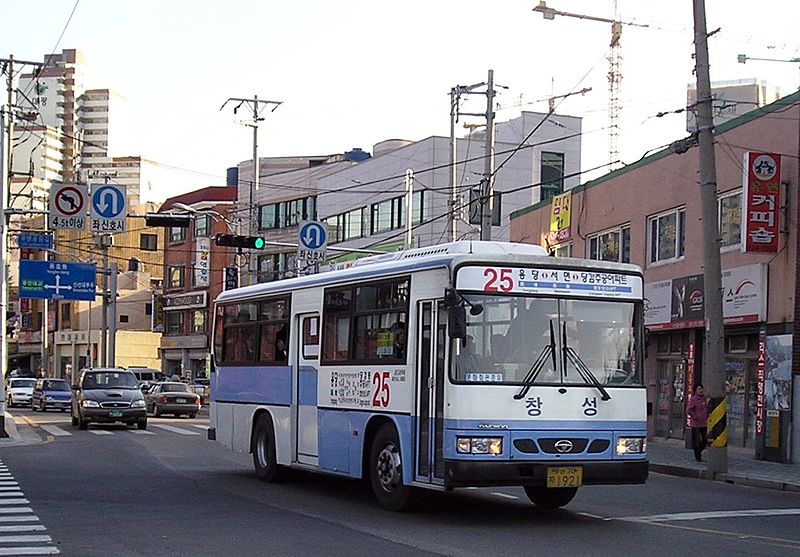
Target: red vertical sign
[(762, 373), (762, 201)]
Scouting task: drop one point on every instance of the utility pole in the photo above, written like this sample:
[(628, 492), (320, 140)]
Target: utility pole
[(713, 366), (255, 106), (409, 207), (7, 122), (487, 189), (112, 329)]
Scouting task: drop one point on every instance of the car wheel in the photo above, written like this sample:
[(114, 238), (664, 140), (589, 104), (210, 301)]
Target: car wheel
[(192, 416), (386, 471), (263, 444), (550, 498), (142, 424)]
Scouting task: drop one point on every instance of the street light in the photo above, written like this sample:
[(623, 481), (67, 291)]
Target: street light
[(743, 58)]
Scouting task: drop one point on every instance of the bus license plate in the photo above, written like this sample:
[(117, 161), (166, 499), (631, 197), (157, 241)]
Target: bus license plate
[(565, 476), (115, 414)]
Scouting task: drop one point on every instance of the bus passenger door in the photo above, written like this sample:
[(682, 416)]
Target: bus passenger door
[(306, 382), (431, 372)]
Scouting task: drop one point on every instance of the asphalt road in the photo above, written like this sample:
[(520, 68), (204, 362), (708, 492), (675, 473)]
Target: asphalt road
[(115, 491)]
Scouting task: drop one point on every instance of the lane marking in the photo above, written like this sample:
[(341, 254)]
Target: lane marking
[(504, 495), (26, 518), (16, 493), (14, 502), (141, 432), (714, 514), (55, 430), (16, 510), (100, 432), (29, 551), (204, 427), (9, 487), (23, 528), (24, 539), (174, 429)]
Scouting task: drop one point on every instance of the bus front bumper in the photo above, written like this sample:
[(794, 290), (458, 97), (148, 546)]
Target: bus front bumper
[(462, 473)]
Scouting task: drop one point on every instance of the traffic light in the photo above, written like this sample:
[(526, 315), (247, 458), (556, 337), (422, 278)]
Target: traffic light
[(169, 220), (234, 241)]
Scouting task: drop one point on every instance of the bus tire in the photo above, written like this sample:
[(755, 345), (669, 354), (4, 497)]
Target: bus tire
[(265, 462), (386, 471), (550, 498)]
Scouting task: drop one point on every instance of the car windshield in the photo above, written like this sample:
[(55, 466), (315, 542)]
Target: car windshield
[(175, 388), (22, 383), (110, 380), (55, 385), (549, 341)]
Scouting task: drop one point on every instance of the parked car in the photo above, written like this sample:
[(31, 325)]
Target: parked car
[(174, 398), (107, 395), (20, 373), (19, 390), (51, 393)]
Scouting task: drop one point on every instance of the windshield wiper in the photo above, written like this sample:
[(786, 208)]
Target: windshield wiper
[(538, 365), (583, 370)]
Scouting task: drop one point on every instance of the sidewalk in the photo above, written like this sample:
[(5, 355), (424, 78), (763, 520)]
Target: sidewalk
[(19, 434), (669, 456)]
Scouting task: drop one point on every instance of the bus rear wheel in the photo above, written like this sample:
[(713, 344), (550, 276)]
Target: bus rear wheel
[(550, 498), (265, 462), (386, 471)]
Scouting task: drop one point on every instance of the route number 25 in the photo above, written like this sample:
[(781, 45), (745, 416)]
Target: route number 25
[(381, 395), (498, 279)]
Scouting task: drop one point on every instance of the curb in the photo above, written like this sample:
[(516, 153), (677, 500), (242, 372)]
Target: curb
[(16, 438), (694, 473)]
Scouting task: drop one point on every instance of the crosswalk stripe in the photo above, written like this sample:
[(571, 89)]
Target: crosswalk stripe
[(24, 539), (16, 510), (176, 429), (29, 550), (199, 426), (25, 518), (55, 430), (23, 528), (14, 502), (100, 432), (9, 487), (141, 432), (16, 493)]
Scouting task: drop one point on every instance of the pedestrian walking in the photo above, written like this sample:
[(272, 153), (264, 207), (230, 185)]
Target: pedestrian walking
[(697, 413)]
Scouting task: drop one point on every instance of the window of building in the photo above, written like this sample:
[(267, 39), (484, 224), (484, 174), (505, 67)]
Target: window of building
[(176, 276), (276, 266), (177, 234), (202, 226), (475, 207), (254, 332), (123, 319), (199, 322), (551, 174), (612, 245), (148, 242), (66, 316), (366, 323), (286, 213), (174, 322), (666, 236), (730, 219), (148, 309), (563, 250), (346, 226), (386, 215)]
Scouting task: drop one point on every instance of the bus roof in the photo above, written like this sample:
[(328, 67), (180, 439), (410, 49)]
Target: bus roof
[(419, 259)]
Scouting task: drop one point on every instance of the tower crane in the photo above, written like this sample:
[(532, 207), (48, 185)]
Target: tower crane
[(614, 70)]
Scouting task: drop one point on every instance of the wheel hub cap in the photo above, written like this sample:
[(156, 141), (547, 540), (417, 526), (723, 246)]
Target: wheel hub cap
[(389, 467)]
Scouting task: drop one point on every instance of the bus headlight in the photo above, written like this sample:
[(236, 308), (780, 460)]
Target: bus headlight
[(631, 445), (479, 445)]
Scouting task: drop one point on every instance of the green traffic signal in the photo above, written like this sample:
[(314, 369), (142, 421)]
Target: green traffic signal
[(235, 241), (258, 243)]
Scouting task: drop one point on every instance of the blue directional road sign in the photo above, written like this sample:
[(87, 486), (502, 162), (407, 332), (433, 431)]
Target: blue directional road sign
[(55, 280), (33, 240), (109, 206), (312, 239)]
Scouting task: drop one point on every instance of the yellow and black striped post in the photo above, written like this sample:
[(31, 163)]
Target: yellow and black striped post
[(717, 422)]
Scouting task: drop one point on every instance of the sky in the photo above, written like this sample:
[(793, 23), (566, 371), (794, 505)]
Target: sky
[(352, 73)]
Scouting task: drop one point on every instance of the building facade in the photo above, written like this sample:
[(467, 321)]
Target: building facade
[(649, 214)]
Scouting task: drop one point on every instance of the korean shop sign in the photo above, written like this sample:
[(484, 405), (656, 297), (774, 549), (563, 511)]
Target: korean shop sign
[(560, 218), (762, 202)]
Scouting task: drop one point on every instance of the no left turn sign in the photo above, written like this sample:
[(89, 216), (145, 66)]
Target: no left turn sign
[(68, 207)]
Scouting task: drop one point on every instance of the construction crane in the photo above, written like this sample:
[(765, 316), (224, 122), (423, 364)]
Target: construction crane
[(614, 70)]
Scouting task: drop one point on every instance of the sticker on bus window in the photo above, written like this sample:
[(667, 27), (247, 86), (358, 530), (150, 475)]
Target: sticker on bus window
[(485, 377), (539, 280)]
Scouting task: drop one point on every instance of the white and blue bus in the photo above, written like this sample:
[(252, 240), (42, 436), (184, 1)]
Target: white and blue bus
[(464, 364)]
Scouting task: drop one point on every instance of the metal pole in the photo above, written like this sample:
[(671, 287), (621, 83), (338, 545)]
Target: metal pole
[(112, 326), (453, 174), (254, 182), (5, 166), (409, 206), (714, 366), (104, 314), (487, 191)]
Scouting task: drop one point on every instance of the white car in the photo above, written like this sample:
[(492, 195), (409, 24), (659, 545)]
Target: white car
[(19, 391)]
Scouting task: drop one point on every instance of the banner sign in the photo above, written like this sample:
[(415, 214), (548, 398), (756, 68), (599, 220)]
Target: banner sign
[(762, 374), (762, 202), (561, 218), (202, 265)]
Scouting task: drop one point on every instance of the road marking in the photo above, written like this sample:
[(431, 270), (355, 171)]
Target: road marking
[(100, 432), (26, 518), (24, 539), (16, 493), (22, 528), (198, 426), (174, 429), (504, 495), (14, 502), (16, 510), (55, 430), (29, 551), (714, 514), (9, 487), (141, 432)]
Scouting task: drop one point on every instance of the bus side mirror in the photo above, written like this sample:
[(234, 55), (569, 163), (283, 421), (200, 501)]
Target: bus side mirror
[(457, 322)]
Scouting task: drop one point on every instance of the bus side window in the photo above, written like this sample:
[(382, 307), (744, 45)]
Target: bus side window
[(310, 337)]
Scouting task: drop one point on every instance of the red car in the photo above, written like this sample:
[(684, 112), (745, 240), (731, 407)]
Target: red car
[(172, 398)]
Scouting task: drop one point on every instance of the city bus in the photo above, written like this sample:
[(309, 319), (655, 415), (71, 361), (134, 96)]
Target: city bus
[(463, 364)]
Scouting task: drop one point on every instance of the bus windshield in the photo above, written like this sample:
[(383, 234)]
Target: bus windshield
[(549, 341)]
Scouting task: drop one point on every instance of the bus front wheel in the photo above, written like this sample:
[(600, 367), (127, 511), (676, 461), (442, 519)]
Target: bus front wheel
[(386, 471), (550, 498), (264, 460)]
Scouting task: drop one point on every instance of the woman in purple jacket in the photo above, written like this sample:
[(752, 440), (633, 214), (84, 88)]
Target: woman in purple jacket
[(697, 412)]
